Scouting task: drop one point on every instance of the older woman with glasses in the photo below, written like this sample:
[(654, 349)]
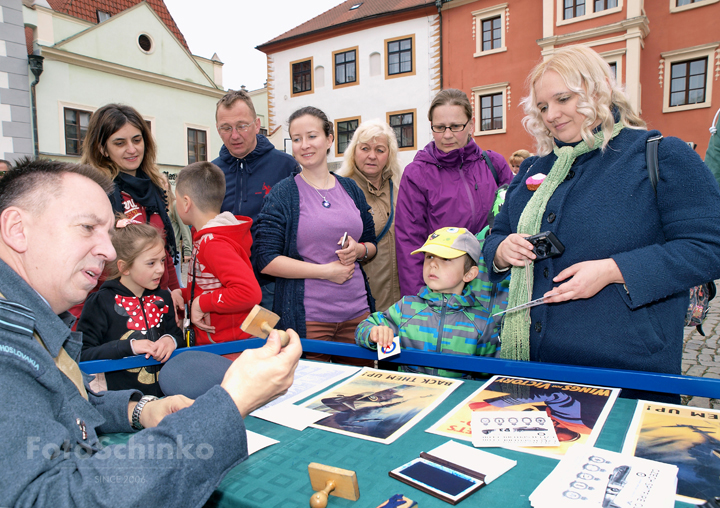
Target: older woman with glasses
[(371, 161), (451, 183)]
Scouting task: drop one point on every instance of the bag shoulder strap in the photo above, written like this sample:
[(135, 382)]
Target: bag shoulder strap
[(490, 165), (651, 158)]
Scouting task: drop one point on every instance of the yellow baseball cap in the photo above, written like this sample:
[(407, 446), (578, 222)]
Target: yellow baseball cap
[(451, 243)]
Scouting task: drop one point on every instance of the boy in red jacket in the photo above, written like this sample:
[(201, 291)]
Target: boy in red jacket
[(221, 288)]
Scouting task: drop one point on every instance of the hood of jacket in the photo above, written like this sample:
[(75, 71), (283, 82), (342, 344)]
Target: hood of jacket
[(453, 160), (232, 228), (454, 302), (263, 146)]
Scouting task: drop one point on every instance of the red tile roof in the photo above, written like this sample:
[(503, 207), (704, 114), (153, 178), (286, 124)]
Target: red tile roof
[(342, 14), (87, 10)]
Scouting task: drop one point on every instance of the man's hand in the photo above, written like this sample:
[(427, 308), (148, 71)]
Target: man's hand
[(155, 410), (164, 348), (199, 318), (260, 375), (382, 335)]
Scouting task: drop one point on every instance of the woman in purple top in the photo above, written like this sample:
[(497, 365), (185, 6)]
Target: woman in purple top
[(306, 238), (449, 184)]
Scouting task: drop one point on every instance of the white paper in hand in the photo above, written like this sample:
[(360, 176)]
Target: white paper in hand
[(392, 350)]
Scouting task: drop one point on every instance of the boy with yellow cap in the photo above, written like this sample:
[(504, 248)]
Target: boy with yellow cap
[(445, 316)]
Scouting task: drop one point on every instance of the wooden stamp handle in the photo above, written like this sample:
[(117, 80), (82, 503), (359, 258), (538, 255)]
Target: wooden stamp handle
[(320, 498), (284, 337)]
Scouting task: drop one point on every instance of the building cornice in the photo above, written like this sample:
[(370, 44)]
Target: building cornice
[(626, 25), (128, 72)]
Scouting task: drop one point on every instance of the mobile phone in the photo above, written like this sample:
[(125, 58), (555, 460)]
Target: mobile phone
[(342, 241)]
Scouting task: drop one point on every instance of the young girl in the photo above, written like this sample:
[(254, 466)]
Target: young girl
[(129, 314)]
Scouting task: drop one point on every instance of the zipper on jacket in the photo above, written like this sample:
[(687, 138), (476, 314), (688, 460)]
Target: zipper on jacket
[(491, 321), (243, 176), (149, 332), (147, 323), (441, 325), (238, 188), (468, 190)]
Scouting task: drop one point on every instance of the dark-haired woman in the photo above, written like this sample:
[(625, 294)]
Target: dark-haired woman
[(119, 143), (448, 184), (321, 290)]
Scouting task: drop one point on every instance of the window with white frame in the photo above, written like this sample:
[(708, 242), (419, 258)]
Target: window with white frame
[(490, 30), (614, 60), (197, 145), (685, 5), (688, 74), (571, 11), (490, 109), (573, 8), (687, 82), (76, 124)]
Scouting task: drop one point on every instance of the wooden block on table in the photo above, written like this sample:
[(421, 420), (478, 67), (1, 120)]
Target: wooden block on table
[(346, 485)]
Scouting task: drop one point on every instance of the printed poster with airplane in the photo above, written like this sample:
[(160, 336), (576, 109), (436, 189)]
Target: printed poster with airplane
[(379, 405), (688, 437)]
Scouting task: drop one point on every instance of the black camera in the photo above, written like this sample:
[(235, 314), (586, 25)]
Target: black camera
[(545, 245)]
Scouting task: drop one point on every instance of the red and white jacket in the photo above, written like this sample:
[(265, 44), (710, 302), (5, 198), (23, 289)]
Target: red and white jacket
[(224, 278)]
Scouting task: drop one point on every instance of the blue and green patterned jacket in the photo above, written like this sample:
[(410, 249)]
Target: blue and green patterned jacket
[(447, 323)]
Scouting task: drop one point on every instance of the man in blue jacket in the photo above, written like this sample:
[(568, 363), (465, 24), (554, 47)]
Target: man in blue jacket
[(252, 165), (55, 227)]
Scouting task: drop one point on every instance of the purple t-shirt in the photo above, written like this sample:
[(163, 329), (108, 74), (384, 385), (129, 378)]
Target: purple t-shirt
[(319, 231)]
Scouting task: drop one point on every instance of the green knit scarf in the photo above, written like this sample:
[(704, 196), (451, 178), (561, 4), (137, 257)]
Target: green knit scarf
[(516, 326)]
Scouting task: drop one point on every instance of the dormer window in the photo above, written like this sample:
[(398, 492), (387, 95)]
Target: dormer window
[(102, 16)]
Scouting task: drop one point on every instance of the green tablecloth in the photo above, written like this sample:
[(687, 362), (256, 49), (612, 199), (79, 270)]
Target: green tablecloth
[(277, 476)]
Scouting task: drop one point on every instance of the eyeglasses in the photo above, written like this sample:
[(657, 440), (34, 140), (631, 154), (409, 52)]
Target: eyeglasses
[(241, 127), (440, 129)]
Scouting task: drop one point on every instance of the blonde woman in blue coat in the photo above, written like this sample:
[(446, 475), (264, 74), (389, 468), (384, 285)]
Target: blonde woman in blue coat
[(620, 288)]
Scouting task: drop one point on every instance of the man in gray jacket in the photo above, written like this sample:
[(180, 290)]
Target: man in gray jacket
[(55, 227)]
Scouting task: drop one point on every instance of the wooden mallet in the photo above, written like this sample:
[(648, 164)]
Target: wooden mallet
[(331, 480), (260, 322)]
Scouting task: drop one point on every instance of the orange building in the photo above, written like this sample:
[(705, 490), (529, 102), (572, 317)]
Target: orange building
[(665, 52)]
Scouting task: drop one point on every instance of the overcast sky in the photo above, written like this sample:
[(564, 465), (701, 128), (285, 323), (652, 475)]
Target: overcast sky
[(232, 29)]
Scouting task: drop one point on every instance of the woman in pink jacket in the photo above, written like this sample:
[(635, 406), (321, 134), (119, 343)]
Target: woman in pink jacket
[(449, 184)]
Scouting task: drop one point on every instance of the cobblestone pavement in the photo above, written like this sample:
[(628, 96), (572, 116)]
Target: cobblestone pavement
[(701, 355)]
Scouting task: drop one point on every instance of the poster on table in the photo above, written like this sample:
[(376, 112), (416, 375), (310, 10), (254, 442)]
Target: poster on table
[(688, 437), (578, 412), (378, 405)]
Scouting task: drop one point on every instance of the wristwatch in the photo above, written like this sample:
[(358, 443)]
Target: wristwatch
[(138, 410)]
